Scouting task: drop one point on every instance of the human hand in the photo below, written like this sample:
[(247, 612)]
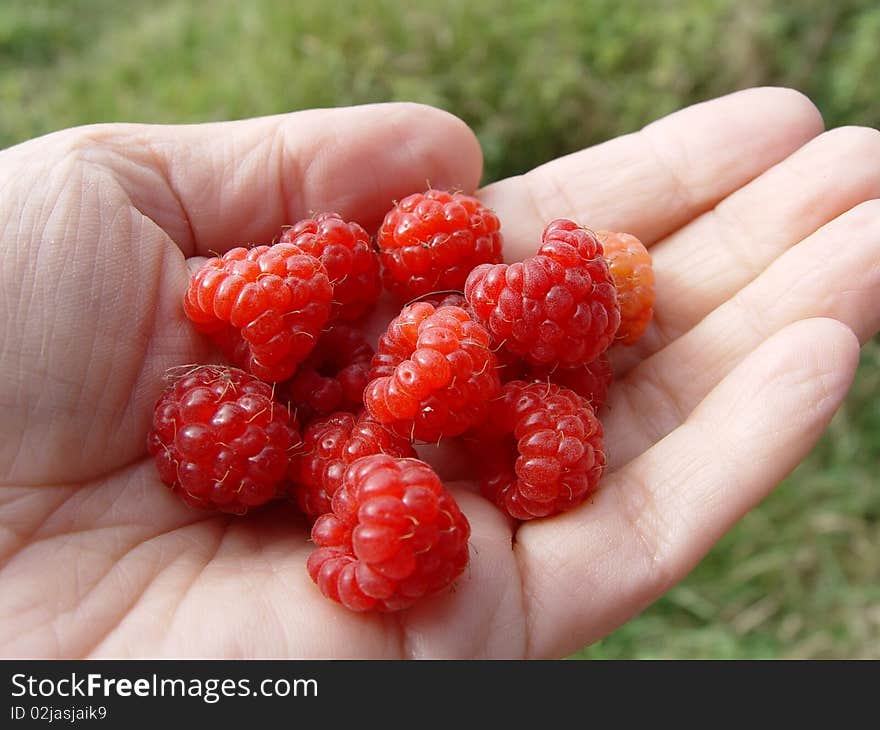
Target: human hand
[(763, 231)]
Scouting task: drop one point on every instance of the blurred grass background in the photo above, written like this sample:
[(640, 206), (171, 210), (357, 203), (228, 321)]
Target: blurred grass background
[(800, 576)]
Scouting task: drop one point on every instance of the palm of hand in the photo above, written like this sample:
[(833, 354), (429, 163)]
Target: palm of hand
[(102, 226)]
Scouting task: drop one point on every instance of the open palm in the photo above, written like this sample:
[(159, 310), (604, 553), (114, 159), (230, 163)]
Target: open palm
[(765, 234)]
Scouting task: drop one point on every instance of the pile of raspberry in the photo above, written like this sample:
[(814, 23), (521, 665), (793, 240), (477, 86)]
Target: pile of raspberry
[(510, 359)]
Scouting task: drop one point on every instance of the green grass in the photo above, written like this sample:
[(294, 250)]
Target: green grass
[(800, 576)]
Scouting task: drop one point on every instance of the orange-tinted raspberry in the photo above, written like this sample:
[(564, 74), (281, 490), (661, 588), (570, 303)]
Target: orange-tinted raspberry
[(630, 265)]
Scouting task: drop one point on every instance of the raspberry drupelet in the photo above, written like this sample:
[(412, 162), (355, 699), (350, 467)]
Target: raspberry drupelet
[(433, 373), (557, 307), (347, 253), (630, 265), (219, 439), (330, 444), (263, 307), (395, 535), (430, 241), (541, 450), (332, 377)]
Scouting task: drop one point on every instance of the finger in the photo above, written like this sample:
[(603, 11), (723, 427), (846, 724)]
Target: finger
[(651, 182), (833, 273), (211, 186), (710, 259), (587, 571)]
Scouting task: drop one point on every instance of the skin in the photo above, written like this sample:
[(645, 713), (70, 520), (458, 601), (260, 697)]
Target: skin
[(765, 233)]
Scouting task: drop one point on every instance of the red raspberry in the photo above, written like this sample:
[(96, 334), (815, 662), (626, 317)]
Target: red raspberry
[(346, 252), (558, 307), (630, 265), (330, 445), (263, 307), (433, 373), (395, 535), (220, 441), (431, 241), (332, 377), (590, 381), (541, 450)]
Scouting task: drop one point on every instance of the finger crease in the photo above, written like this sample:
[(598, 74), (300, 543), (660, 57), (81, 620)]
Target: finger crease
[(735, 238), (288, 169), (160, 163), (646, 392), (638, 509), (681, 190)]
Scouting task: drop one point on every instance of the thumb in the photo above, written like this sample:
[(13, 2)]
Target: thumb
[(211, 186)]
